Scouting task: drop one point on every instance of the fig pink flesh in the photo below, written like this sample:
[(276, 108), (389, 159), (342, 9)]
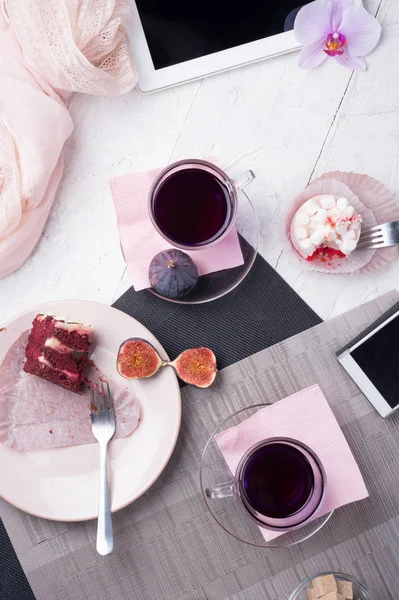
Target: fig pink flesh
[(138, 359), (196, 366)]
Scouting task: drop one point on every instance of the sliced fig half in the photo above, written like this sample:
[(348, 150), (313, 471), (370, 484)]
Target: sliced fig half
[(196, 366), (138, 359)]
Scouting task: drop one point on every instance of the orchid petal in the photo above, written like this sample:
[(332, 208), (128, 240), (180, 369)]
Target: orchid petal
[(337, 12), (312, 55), (313, 22), (361, 29), (350, 62)]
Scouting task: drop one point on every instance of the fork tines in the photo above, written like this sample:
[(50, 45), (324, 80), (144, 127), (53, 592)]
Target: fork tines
[(101, 398), (371, 237), (380, 236)]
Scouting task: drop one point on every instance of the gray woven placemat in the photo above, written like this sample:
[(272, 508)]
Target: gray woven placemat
[(167, 545)]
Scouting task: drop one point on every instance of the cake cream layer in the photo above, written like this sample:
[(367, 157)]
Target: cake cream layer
[(42, 359), (55, 344), (76, 327)]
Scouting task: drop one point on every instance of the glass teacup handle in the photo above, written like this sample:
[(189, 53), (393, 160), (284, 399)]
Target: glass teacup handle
[(244, 179), (223, 490)]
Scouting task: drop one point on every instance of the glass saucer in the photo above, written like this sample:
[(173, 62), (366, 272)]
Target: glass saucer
[(228, 512), (215, 285)]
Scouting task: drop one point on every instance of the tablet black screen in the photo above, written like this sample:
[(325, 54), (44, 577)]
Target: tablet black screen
[(180, 30), (378, 357)]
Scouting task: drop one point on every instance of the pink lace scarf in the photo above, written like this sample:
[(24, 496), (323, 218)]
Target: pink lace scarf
[(48, 49)]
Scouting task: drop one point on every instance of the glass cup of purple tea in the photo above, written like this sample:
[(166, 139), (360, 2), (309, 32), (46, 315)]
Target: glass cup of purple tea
[(193, 203), (280, 483)]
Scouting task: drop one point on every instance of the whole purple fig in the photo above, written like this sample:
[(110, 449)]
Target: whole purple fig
[(173, 273)]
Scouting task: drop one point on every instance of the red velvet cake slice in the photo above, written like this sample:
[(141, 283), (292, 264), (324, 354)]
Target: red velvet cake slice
[(58, 351)]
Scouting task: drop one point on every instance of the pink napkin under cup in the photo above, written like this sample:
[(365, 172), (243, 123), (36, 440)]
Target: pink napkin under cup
[(307, 417), (141, 242)]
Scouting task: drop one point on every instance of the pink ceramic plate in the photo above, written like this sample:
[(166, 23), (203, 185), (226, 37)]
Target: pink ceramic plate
[(62, 484)]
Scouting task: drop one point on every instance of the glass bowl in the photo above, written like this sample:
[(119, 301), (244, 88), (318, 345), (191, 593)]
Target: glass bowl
[(215, 285), (229, 512), (360, 592)]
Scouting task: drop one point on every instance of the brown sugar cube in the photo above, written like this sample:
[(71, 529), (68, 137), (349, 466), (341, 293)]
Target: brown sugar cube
[(333, 596), (346, 589), (323, 585), (310, 593)]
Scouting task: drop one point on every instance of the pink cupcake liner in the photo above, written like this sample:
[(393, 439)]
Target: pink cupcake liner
[(359, 259), (375, 196)]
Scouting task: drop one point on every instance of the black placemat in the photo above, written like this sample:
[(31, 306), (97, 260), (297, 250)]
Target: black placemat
[(13, 583), (262, 311)]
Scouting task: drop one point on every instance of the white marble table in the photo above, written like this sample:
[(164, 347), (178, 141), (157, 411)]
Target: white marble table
[(287, 124)]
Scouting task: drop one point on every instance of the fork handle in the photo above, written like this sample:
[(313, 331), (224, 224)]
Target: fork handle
[(105, 540)]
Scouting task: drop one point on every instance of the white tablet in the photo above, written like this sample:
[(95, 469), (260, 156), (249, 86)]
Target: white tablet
[(373, 364), (180, 40)]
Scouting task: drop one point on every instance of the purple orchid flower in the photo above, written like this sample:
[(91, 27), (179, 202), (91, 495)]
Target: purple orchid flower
[(337, 28)]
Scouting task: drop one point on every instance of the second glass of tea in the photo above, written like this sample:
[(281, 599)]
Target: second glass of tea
[(193, 203), (280, 483)]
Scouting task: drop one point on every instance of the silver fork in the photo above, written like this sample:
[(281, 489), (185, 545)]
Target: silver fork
[(103, 427), (379, 236)]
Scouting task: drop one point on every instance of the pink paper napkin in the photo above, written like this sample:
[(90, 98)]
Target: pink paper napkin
[(308, 418), (140, 240)]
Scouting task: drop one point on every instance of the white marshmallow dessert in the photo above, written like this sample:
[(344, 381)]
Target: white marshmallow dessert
[(325, 227)]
